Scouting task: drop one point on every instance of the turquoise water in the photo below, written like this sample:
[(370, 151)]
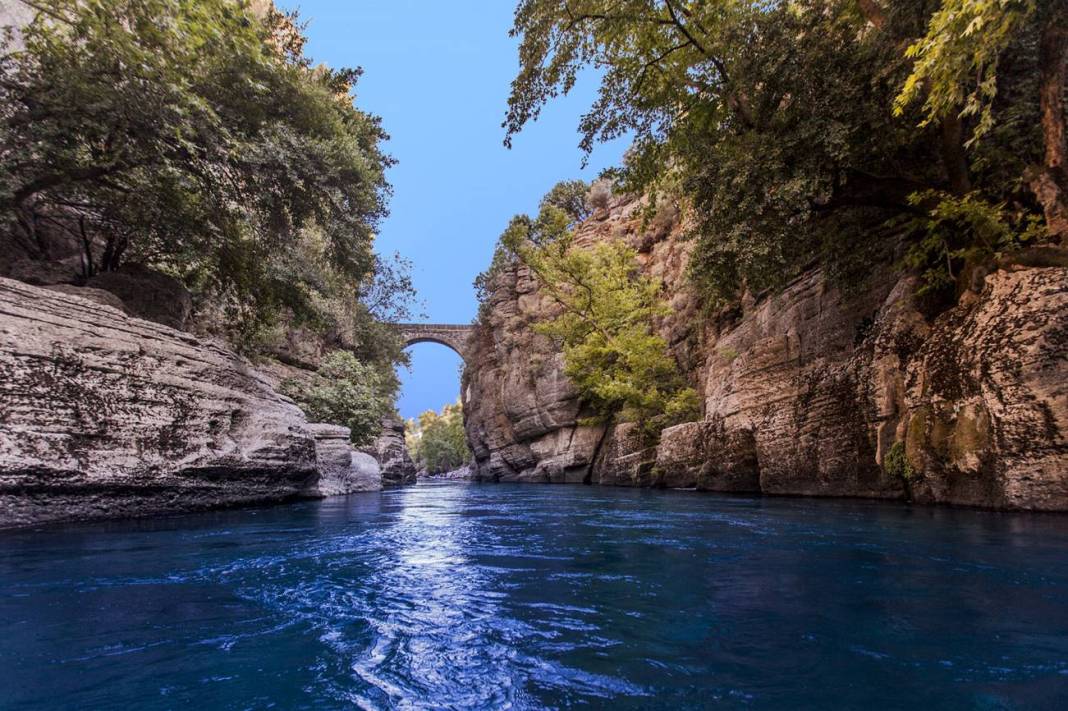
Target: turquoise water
[(463, 596)]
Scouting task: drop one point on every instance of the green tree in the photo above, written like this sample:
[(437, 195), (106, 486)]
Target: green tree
[(606, 310), (957, 75), (771, 123), (194, 136), (964, 229), (347, 392), (560, 210), (437, 442)]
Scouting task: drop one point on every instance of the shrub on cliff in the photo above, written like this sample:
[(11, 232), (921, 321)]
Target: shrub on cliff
[(437, 442), (345, 391), (561, 209), (196, 137)]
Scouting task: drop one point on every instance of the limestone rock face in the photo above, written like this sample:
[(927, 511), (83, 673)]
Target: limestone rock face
[(789, 383), (342, 470), (522, 415), (105, 298), (626, 459), (708, 457), (806, 391), (986, 419), (388, 451), (391, 453), (105, 415)]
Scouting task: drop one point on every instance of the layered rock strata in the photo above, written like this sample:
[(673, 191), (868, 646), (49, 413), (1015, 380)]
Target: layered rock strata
[(104, 415), (807, 391)]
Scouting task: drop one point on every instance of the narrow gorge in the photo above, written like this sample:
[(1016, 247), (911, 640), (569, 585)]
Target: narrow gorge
[(535, 355)]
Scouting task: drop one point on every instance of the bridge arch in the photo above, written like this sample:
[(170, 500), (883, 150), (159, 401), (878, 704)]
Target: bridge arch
[(450, 335)]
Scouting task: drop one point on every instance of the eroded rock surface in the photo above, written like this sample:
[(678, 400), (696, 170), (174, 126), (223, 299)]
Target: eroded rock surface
[(104, 415), (986, 419), (342, 469), (391, 453), (806, 391)]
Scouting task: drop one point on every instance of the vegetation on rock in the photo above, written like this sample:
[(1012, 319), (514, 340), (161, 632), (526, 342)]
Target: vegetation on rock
[(798, 131), (347, 392), (436, 442), (897, 463), (603, 316), (195, 137), (966, 230)]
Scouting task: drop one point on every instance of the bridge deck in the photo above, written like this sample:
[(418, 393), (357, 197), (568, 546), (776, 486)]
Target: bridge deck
[(435, 326), (451, 335)]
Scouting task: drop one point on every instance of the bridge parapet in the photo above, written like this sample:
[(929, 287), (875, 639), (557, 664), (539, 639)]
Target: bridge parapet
[(450, 335)]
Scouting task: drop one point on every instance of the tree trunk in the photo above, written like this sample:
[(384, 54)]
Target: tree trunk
[(953, 156), (588, 478), (27, 233), (36, 239), (88, 266), (114, 246), (1050, 181)]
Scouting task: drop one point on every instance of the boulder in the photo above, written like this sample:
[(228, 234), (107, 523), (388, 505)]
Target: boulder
[(98, 296), (106, 415), (44, 273), (391, 453), (342, 470)]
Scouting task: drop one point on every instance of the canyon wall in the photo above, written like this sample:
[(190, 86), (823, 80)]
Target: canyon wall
[(807, 391), (106, 415)]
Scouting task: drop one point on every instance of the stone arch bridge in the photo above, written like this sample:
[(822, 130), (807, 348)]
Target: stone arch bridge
[(450, 335)]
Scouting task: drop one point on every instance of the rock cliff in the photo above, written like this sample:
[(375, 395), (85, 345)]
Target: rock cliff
[(807, 391), (107, 415)]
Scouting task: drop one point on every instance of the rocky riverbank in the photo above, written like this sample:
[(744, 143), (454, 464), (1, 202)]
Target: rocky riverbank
[(807, 391), (460, 474), (108, 415)]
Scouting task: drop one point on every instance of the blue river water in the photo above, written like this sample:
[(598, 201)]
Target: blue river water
[(525, 597)]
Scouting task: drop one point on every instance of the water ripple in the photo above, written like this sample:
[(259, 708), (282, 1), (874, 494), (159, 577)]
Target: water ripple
[(471, 597)]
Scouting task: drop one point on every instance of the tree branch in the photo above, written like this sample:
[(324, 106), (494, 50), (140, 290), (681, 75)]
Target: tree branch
[(682, 28), (52, 180)]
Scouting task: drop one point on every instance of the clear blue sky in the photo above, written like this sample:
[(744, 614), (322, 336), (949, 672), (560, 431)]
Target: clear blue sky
[(438, 74)]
